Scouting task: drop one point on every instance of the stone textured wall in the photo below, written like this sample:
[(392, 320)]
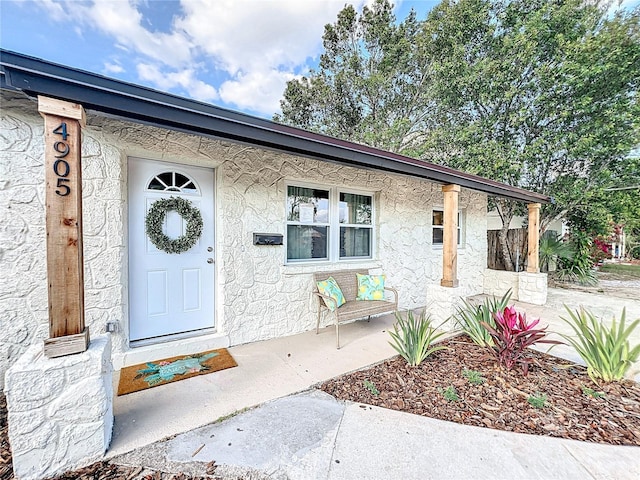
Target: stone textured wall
[(256, 279), (497, 282), (532, 288), (60, 410), (525, 286), (258, 297), (23, 291)]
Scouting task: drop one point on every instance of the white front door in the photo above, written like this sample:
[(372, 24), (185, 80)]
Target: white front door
[(169, 293)]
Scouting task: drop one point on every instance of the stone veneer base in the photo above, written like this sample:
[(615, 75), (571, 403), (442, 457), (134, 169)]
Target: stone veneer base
[(60, 410), (525, 287), (532, 288), (441, 304)]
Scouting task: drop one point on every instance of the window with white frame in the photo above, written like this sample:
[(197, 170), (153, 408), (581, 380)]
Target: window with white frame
[(328, 224), (437, 224)]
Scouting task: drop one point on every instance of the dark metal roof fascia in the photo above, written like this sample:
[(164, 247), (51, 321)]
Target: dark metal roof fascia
[(128, 101)]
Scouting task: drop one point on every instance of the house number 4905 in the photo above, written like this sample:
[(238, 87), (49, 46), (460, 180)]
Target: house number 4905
[(61, 166)]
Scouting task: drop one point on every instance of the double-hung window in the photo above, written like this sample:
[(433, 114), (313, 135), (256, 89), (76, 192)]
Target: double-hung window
[(328, 224), (437, 224)]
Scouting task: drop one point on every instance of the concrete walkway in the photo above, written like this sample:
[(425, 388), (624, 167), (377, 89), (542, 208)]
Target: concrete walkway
[(311, 435)]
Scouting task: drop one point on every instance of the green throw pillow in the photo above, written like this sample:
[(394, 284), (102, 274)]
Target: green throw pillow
[(370, 287), (330, 288)]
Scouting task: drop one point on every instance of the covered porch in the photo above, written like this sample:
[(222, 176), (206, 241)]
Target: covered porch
[(274, 368)]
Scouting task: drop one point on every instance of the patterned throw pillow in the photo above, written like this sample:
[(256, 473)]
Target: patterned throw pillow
[(330, 288), (370, 287)]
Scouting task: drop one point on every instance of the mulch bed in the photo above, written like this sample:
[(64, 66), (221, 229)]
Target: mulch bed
[(501, 402)]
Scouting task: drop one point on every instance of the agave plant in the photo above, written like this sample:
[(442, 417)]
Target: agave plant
[(606, 351), (412, 337), (512, 335), (469, 318)]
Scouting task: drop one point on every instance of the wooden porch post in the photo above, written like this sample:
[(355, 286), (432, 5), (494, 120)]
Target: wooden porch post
[(63, 122), (534, 238), (450, 236)]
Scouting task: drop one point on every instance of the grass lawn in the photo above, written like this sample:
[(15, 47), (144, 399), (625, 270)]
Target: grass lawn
[(633, 270)]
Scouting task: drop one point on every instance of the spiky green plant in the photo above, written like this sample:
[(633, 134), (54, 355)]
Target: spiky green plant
[(469, 318), (553, 248), (413, 336), (606, 351)]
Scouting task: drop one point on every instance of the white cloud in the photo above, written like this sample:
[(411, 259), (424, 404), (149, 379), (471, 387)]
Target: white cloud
[(254, 46), (260, 44), (121, 20), (55, 10), (184, 79), (243, 35), (113, 67), (258, 91)]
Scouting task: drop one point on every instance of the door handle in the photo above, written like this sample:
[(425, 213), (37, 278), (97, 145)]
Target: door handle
[(209, 260), (209, 249)]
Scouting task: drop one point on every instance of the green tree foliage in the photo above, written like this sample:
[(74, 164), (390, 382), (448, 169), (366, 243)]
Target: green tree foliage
[(617, 202), (536, 93), (541, 94), (370, 85)]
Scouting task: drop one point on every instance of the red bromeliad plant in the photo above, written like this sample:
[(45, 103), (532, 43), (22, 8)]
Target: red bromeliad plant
[(512, 335)]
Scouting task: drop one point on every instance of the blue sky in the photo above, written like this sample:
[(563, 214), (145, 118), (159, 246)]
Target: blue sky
[(238, 54)]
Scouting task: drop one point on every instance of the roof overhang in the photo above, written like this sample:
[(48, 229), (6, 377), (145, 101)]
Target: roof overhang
[(124, 100)]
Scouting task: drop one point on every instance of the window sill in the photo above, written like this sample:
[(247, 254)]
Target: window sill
[(306, 268), (461, 248)]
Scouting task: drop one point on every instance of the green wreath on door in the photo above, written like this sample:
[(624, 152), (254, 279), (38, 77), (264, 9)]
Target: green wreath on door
[(155, 219)]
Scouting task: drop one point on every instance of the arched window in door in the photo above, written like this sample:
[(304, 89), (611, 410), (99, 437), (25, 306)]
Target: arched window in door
[(173, 182)]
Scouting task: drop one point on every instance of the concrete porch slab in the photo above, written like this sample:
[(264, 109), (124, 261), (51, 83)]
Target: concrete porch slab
[(266, 370)]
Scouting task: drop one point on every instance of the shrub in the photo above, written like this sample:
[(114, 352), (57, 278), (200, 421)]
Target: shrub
[(412, 337), (551, 249), (512, 335), (470, 318), (576, 274), (579, 268), (606, 351)]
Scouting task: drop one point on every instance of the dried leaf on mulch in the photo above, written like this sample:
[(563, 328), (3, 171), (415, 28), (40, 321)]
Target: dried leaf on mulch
[(500, 402)]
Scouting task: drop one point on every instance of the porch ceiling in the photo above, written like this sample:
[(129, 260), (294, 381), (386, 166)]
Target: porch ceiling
[(34, 76)]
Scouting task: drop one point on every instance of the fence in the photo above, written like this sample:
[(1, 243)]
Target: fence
[(516, 245)]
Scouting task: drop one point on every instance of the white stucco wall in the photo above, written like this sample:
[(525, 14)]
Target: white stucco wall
[(258, 297)]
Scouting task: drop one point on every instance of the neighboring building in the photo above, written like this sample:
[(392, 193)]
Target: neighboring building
[(336, 205), (494, 222)]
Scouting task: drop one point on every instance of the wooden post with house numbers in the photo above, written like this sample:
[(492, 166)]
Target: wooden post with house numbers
[(63, 122)]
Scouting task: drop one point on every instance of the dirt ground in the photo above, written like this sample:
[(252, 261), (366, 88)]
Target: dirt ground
[(610, 284)]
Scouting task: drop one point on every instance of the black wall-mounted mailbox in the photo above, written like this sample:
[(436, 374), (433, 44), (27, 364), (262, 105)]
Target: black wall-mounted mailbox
[(267, 239)]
